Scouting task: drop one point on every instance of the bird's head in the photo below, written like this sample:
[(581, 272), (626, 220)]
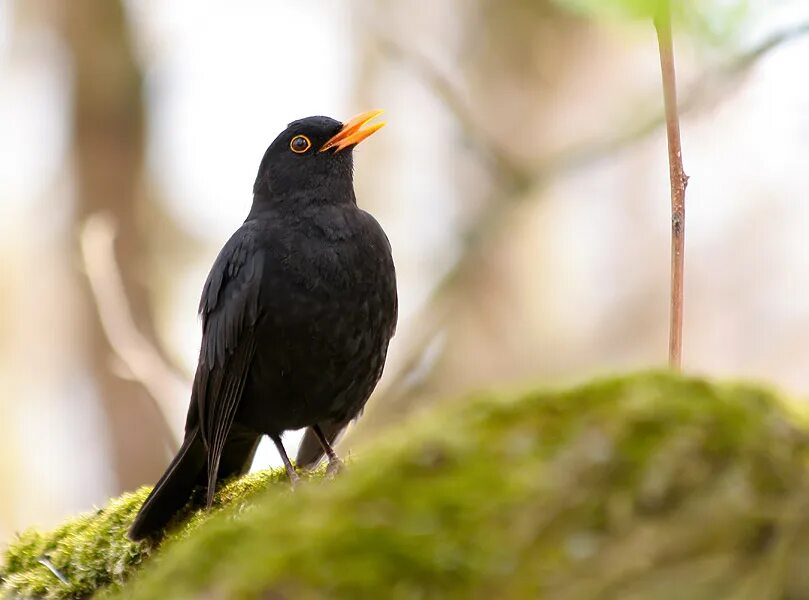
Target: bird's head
[(313, 157)]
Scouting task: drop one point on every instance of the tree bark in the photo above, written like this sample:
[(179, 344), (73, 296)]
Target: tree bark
[(108, 145)]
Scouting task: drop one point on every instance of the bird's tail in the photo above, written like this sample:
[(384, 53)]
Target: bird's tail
[(310, 452), (173, 489), (187, 470)]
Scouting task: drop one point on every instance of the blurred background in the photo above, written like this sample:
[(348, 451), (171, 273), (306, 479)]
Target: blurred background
[(522, 180)]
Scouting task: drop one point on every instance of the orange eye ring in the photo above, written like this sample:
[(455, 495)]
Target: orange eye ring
[(300, 144)]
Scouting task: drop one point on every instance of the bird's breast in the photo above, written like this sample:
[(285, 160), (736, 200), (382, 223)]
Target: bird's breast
[(328, 309), (319, 275)]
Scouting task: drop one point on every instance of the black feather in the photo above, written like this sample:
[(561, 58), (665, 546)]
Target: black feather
[(297, 313)]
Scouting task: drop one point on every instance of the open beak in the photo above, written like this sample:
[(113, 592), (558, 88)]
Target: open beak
[(353, 133)]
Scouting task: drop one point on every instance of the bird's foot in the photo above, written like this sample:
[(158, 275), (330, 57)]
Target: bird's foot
[(335, 466), (294, 478)]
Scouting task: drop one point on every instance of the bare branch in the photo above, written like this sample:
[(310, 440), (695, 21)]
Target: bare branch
[(522, 182), (500, 163), (581, 154), (163, 384)]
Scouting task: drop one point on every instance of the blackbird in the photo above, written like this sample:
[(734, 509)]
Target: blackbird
[(297, 313)]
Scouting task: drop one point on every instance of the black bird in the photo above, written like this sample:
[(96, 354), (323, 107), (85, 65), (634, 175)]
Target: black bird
[(297, 313)]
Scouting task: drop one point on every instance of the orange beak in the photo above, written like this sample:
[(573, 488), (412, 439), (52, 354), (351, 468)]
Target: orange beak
[(353, 133)]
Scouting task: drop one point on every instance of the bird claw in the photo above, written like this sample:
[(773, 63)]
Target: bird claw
[(335, 466), (294, 478)]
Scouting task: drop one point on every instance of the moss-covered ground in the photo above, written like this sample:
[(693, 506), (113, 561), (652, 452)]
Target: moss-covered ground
[(647, 486)]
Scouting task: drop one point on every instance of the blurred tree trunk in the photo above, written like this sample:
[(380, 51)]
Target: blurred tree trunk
[(516, 76), (510, 60), (108, 145)]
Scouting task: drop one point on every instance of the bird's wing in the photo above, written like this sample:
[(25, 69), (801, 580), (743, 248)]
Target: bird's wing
[(229, 308)]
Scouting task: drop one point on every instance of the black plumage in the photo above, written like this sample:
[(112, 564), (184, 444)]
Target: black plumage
[(297, 313)]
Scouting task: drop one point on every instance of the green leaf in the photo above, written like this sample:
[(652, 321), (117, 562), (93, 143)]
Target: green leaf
[(711, 19)]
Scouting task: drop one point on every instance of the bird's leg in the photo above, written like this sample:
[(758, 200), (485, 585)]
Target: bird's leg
[(335, 464), (293, 475)]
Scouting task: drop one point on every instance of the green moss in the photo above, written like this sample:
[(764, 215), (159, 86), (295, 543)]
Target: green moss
[(92, 551), (650, 486)]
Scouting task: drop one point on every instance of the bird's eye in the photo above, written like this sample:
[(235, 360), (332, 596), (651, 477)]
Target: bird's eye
[(300, 144)]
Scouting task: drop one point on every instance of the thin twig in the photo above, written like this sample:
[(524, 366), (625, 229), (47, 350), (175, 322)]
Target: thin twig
[(579, 156), (501, 163), (45, 562), (585, 153), (163, 385), (679, 181), (588, 152)]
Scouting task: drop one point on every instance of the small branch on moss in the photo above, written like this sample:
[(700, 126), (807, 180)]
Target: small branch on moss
[(679, 181), (163, 385), (56, 572)]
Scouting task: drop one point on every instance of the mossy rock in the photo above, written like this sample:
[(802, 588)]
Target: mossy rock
[(649, 486)]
